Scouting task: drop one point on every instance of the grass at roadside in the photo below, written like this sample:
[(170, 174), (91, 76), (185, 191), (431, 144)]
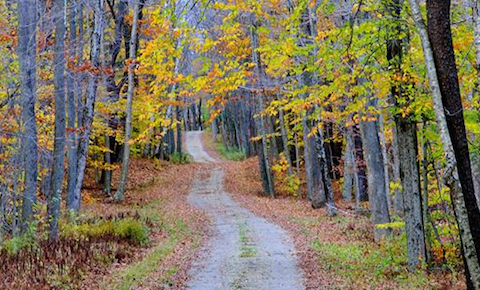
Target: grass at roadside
[(177, 232), (135, 274), (231, 153), (335, 252), (369, 266)]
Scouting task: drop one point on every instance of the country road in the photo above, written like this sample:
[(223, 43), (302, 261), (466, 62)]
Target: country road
[(246, 252)]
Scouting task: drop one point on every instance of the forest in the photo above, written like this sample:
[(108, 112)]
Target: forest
[(239, 144)]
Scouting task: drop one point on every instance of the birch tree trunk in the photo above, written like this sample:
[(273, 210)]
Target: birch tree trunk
[(469, 246), (27, 55), (120, 194)]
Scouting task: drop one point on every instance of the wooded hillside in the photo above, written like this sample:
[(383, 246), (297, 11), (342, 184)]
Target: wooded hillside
[(364, 108)]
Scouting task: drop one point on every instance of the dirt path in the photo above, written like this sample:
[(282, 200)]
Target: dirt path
[(247, 252)]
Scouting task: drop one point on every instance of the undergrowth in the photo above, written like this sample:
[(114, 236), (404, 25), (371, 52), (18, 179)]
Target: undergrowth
[(370, 264), (129, 229), (230, 153), (139, 270), (134, 274), (83, 245), (177, 158)]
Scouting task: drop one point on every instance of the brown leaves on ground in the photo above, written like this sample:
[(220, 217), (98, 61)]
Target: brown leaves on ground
[(164, 187), (306, 224)]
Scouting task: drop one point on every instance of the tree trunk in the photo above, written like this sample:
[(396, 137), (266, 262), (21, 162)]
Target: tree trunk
[(113, 90), (476, 163), (286, 150), (383, 142), (349, 165), (397, 194), (406, 133), (55, 196), (72, 96), (262, 124), (315, 190), (410, 178), (179, 130), (476, 21), (120, 194), (468, 230), (439, 31), (322, 158), (376, 174), (214, 127), (360, 167), (425, 210), (88, 108), (27, 55)]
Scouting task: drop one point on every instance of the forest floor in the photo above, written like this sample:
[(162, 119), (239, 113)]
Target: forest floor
[(333, 252), (215, 229), (157, 193)]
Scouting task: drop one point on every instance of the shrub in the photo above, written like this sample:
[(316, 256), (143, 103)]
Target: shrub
[(133, 230), (14, 245), (177, 158), (232, 153)]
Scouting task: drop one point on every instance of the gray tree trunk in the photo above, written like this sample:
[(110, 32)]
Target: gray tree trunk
[(406, 135), (262, 124), (214, 127), (286, 150), (315, 190), (120, 194), (89, 107), (397, 194), (114, 90), (55, 196), (410, 178), (27, 55), (383, 142), (349, 165), (451, 173), (376, 174), (322, 157), (179, 130), (73, 94), (425, 210), (476, 159)]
